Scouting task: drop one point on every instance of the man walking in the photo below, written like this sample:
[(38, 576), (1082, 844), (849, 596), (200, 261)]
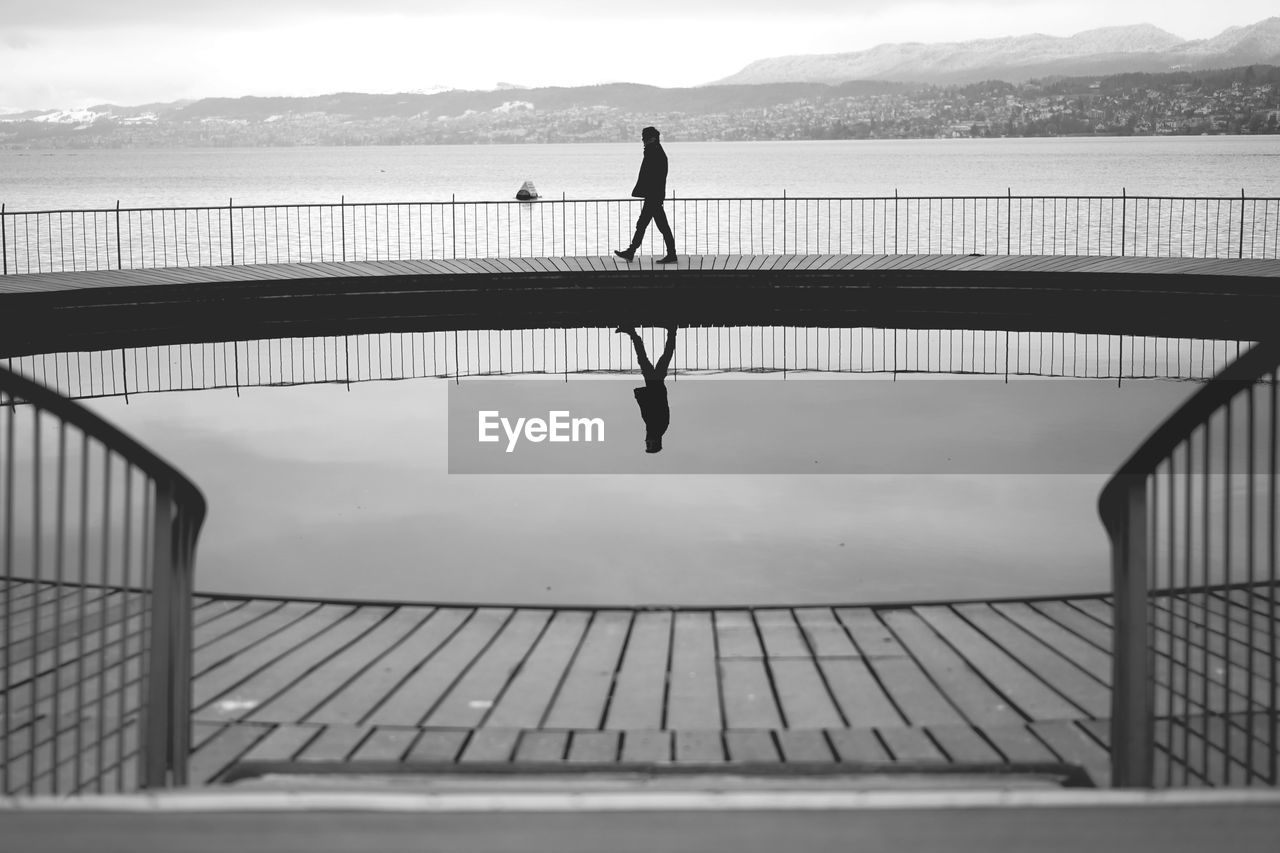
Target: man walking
[(652, 187)]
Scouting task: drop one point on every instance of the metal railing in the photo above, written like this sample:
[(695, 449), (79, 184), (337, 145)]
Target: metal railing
[(1193, 520), (98, 547), (701, 349), (140, 238)]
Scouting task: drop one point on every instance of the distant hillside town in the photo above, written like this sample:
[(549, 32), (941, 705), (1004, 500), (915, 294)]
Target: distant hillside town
[(1243, 100)]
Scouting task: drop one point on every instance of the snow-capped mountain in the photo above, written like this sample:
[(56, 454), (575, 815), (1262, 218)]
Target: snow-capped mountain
[(1110, 50)]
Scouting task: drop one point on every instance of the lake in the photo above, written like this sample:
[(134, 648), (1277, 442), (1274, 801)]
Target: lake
[(1175, 166)]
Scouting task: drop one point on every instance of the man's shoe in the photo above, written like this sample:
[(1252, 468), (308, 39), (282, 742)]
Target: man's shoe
[(668, 258), (625, 254)]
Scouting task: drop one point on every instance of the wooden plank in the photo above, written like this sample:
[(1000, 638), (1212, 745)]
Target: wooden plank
[(1078, 623), (43, 633), (647, 746), (699, 747), (584, 695), (213, 683), (804, 746), (490, 745), (438, 746), (780, 634), (286, 669), (281, 744), (359, 697), (475, 693), (222, 750), (1022, 687), (316, 687), (863, 702), (802, 693), (386, 744), (1097, 608), (1082, 653), (56, 670), (747, 695), (542, 746), (858, 746), (1078, 687), (640, 686), (215, 651), (910, 744), (872, 639), (694, 699), (1073, 746), (751, 746), (736, 635), (824, 633), (912, 693), (953, 675), (415, 697), (334, 743), (594, 747), (1018, 744), (528, 697), (964, 745)]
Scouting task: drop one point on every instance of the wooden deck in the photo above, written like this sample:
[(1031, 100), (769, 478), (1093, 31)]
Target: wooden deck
[(978, 683), (1193, 297)]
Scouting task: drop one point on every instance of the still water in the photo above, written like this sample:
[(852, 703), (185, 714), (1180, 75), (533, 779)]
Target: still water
[(967, 485), (1174, 166)]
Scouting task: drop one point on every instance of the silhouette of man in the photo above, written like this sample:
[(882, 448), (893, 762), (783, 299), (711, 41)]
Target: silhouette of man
[(653, 396), (652, 187)]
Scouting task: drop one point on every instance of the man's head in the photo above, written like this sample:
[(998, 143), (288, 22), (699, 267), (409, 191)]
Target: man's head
[(649, 134)]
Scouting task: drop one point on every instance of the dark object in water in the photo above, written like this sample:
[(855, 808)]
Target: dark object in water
[(527, 192)]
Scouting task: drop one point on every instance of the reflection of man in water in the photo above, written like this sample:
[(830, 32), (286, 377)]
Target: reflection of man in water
[(653, 396)]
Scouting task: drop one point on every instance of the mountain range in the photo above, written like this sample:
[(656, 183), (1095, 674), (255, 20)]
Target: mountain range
[(1014, 59)]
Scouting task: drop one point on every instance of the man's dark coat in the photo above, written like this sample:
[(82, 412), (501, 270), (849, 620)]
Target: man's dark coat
[(652, 183)]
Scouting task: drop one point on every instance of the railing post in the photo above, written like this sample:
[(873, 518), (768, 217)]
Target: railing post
[(1124, 208), (895, 220), (453, 218), (1132, 743), (1240, 248), (231, 218), (181, 663), (158, 722), (1008, 223), (343, 208), (784, 222), (4, 240), (119, 256)]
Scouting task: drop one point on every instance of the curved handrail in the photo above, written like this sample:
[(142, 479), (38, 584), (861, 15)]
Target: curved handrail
[(1152, 620), (149, 611), (1248, 368), (185, 491)]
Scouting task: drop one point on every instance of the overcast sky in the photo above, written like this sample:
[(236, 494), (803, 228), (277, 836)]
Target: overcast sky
[(76, 53)]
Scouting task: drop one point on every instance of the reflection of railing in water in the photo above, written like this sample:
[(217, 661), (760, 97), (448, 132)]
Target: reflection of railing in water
[(137, 238), (402, 355), (1194, 526), (97, 554)]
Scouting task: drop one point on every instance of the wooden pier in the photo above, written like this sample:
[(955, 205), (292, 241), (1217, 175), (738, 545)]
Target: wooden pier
[(1219, 298), (318, 683)]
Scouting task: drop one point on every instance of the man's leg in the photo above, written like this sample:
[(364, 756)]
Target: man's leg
[(669, 350), (642, 224), (660, 219), (646, 366)]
